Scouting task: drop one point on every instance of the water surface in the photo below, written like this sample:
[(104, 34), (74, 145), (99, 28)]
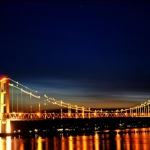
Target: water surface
[(133, 139)]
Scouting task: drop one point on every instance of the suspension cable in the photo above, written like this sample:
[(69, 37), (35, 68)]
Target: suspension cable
[(23, 85), (25, 91)]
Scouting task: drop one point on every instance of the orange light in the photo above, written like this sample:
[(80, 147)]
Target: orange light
[(2, 79), (8, 142), (8, 128), (70, 140), (39, 142), (117, 131), (38, 114)]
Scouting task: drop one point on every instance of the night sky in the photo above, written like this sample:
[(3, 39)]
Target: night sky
[(93, 54)]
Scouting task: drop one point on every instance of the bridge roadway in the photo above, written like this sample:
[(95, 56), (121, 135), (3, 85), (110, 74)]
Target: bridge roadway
[(46, 116)]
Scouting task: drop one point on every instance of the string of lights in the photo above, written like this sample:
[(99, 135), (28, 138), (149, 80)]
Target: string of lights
[(22, 85), (66, 105), (29, 93), (141, 109)]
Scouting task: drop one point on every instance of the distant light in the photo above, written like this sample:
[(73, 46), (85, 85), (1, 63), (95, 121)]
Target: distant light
[(36, 130), (61, 129)]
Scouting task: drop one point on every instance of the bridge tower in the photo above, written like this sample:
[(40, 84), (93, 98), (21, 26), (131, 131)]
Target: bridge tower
[(4, 105)]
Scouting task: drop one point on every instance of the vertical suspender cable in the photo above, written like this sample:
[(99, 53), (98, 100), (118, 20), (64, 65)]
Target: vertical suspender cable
[(17, 99), (26, 102), (12, 100), (30, 104), (21, 101)]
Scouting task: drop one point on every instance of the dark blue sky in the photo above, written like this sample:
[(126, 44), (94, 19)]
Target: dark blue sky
[(95, 54)]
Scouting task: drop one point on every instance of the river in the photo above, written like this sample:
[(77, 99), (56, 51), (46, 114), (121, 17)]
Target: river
[(125, 139)]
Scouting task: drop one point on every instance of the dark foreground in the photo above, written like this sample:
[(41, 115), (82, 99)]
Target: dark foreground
[(77, 125)]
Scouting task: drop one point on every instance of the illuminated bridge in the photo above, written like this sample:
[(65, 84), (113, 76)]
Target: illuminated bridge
[(20, 103)]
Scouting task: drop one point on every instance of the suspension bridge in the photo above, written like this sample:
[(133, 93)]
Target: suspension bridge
[(20, 103)]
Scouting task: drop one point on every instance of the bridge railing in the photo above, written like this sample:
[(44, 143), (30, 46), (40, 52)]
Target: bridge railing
[(46, 116)]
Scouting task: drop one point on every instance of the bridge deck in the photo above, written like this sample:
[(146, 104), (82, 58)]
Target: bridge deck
[(46, 116)]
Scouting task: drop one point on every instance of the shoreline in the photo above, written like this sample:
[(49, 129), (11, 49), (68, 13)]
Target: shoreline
[(103, 131)]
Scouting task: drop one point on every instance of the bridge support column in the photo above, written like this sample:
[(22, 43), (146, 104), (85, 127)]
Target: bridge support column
[(145, 110), (140, 110), (76, 111), (69, 110), (4, 101), (89, 114), (82, 112), (148, 110)]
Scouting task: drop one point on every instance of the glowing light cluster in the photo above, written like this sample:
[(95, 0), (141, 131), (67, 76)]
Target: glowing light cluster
[(29, 93)]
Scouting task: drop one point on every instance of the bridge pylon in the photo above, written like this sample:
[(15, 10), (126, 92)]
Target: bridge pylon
[(4, 105)]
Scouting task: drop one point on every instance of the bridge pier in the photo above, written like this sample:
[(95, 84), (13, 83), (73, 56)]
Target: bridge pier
[(5, 126)]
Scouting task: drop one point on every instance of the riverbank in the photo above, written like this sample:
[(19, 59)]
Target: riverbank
[(74, 133)]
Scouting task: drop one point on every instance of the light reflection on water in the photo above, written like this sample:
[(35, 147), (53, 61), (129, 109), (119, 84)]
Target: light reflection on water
[(137, 140)]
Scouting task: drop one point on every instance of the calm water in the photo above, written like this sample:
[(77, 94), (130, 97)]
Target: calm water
[(139, 139)]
